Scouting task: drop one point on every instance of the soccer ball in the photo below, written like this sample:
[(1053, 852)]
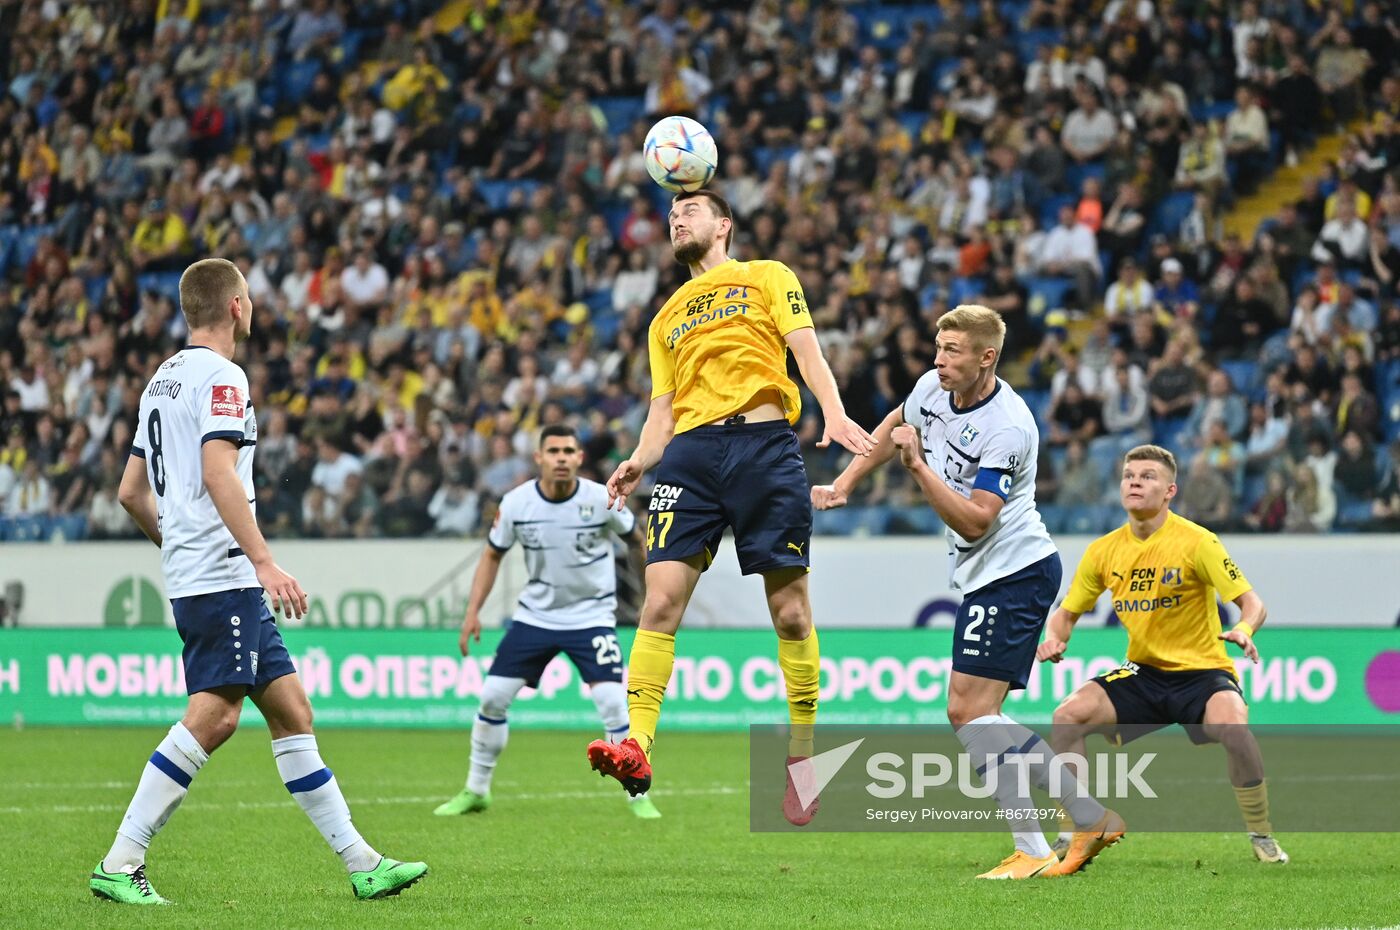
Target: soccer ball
[(680, 154)]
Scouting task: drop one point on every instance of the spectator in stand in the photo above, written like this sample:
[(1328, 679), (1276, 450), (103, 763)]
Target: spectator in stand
[(1247, 140), (1129, 295), (1070, 252), (1176, 295), (1206, 499)]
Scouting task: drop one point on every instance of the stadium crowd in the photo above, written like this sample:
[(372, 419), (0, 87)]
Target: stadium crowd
[(450, 238)]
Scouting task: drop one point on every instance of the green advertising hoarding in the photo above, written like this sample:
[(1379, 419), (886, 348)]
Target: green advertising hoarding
[(724, 679)]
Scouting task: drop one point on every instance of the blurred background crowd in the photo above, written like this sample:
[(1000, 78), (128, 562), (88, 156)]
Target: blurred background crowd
[(450, 238)]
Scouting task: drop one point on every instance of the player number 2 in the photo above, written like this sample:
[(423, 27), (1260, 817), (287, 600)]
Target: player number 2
[(609, 652), (665, 520), (157, 456), (978, 614)]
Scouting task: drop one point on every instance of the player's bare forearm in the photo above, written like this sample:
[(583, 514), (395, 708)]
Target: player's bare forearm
[(657, 431), (227, 493), (134, 494), (1060, 626), (969, 518), (862, 465), (484, 579), (1252, 610), (816, 372)]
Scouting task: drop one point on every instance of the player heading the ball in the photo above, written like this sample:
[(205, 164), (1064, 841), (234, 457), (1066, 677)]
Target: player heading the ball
[(719, 433)]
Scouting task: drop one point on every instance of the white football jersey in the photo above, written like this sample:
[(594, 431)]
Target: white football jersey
[(568, 554), (992, 445), (196, 396)]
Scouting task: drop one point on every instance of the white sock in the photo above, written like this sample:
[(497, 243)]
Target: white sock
[(164, 784), (610, 697), (315, 789), (1081, 806), (490, 731), (988, 737)]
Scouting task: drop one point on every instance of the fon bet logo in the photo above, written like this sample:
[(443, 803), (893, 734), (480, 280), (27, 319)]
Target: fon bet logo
[(227, 401)]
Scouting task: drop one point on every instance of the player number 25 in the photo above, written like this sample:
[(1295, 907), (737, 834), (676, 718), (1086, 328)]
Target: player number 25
[(665, 519), (609, 652)]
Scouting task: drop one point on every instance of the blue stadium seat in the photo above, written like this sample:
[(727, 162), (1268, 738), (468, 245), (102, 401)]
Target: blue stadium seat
[(1170, 214), (1053, 515), (1082, 520), (28, 243), (1048, 292), (621, 112), (497, 193), (1050, 208), (95, 286), (1029, 40), (296, 80), (1076, 173), (166, 283), (964, 289), (9, 235), (1242, 372), (71, 527)]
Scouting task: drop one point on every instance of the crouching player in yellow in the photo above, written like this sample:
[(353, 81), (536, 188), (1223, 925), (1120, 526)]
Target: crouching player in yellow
[(1165, 573)]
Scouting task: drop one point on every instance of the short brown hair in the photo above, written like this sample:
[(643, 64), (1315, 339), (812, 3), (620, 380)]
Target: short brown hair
[(983, 324), (1150, 453), (205, 289), (718, 204)]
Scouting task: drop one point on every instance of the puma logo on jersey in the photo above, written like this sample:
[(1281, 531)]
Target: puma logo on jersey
[(795, 547)]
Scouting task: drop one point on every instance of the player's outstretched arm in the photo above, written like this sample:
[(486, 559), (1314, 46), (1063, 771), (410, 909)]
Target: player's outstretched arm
[(969, 517), (656, 433), (220, 460), (838, 493), (836, 426), (1057, 633), (135, 496), (482, 583), (1252, 615)]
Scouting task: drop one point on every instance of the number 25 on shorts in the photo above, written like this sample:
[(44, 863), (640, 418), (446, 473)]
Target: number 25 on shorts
[(665, 519)]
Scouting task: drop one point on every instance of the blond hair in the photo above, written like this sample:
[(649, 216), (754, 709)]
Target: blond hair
[(1150, 453), (205, 289), (983, 324)]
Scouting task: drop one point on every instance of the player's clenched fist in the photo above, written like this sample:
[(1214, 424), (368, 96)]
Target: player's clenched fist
[(1052, 650), (907, 439), (828, 497)]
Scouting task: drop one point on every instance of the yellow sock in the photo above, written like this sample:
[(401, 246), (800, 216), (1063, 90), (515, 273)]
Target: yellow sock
[(648, 673), (1254, 805), (800, 661)]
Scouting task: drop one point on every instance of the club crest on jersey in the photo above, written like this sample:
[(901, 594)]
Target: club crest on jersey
[(227, 401), (585, 511), (1171, 576), (969, 433)]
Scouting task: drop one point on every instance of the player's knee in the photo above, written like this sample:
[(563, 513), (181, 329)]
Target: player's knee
[(497, 695), (792, 620), (662, 609), (960, 714)]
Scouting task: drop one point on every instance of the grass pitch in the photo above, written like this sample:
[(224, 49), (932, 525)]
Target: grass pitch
[(560, 849)]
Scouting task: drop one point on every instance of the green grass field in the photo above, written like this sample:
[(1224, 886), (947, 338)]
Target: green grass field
[(559, 849)]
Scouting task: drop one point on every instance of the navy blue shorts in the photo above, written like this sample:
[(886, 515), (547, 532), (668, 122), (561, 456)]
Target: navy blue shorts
[(998, 625), (749, 477), (526, 649), (230, 638)]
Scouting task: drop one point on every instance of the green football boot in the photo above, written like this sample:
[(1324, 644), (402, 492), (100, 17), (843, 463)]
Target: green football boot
[(388, 878), (124, 887), (466, 802)]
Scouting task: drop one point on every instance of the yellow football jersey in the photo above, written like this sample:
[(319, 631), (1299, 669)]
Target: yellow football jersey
[(1164, 590), (718, 343)]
